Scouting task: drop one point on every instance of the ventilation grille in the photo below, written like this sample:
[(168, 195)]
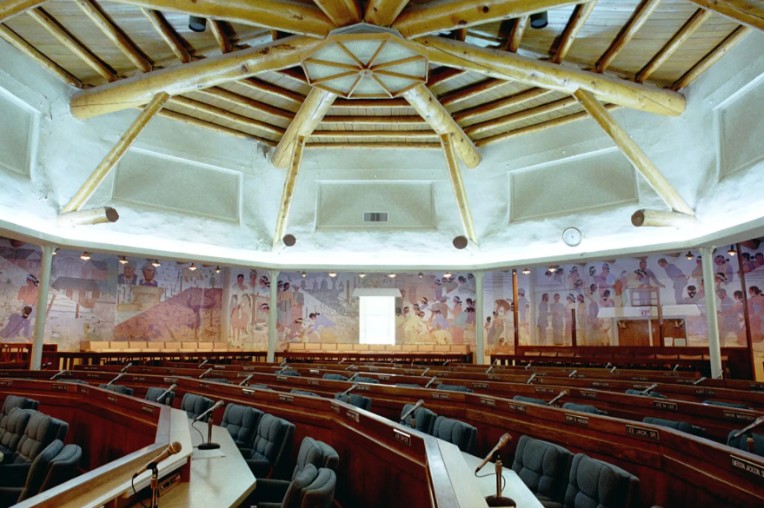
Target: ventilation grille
[(375, 216)]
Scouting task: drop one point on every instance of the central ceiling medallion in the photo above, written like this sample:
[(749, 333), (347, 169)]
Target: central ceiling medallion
[(365, 62)]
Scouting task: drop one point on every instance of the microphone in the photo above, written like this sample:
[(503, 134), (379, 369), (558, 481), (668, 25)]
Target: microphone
[(350, 389), (649, 388), (528, 365), (675, 368), (612, 371), (205, 372), (431, 381), (214, 407), (411, 410), (573, 374), (58, 374), (283, 363), (171, 449), (205, 362), (351, 367), (558, 397), (502, 442), (341, 361), (445, 364), (166, 392), (608, 365), (489, 369), (530, 379), (119, 376), (699, 380), (352, 378), (124, 369), (425, 371), (752, 426), (244, 381)]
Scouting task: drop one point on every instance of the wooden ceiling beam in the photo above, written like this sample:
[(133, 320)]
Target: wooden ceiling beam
[(271, 89), (429, 108), (71, 43), (447, 142), (668, 49), (509, 66), (243, 101), (470, 91), (316, 104), (497, 123), (10, 8), (115, 154), (340, 12), (198, 122), (371, 103), (515, 36), (744, 12), (393, 145), (712, 57), (218, 32), (289, 185), (382, 120), (115, 35), (244, 121), (138, 90), (19, 43), (292, 17), (446, 15), (575, 24), (506, 102), (384, 12), (442, 74), (410, 134), (637, 19), (634, 153), (168, 34)]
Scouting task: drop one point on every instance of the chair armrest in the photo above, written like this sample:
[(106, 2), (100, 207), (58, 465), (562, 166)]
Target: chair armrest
[(14, 475), (269, 490), (260, 468)]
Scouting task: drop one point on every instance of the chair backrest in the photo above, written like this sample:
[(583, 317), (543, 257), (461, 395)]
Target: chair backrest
[(641, 393), (741, 442), (335, 377), (10, 403), (194, 405), (354, 400), (290, 372), (529, 400), (454, 388), (457, 432), (124, 390), (674, 424), (725, 404), (241, 422), (312, 488), (593, 482), (544, 467), (364, 379), (154, 392), (39, 433), (583, 408), (63, 467), (273, 441), (303, 392), (407, 385), (39, 469), (15, 424), (424, 419), (317, 453)]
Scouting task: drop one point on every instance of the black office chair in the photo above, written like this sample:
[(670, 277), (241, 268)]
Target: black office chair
[(14, 425), (303, 392), (676, 425), (10, 403), (529, 400), (194, 405), (454, 388), (40, 431), (593, 482), (364, 379), (311, 488), (544, 468), (334, 377), (271, 446), (457, 432), (725, 404), (242, 422), (741, 442)]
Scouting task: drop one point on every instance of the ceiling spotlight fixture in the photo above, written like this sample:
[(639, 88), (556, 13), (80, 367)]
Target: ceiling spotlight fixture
[(420, 275), (732, 251), (55, 251), (304, 274), (289, 240), (689, 256), (460, 242), (552, 269), (85, 256), (122, 260), (391, 275), (332, 274), (156, 263), (197, 24), (217, 269), (192, 267), (447, 275), (539, 20), (526, 271), (361, 275)]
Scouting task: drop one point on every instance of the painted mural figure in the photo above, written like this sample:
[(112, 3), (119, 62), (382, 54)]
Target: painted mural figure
[(149, 272), (557, 311), (128, 276), (542, 318), (756, 313), (28, 294), (678, 278), (18, 325)]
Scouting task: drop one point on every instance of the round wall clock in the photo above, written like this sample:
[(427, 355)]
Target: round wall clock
[(571, 236)]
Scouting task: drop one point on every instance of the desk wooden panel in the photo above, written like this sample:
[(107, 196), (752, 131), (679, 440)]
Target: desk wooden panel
[(514, 488)]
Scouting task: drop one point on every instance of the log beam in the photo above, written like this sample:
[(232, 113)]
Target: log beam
[(634, 153), (447, 15), (138, 90), (446, 141), (289, 184), (192, 120), (506, 102), (19, 43), (428, 106), (502, 121), (712, 57), (340, 12), (316, 104), (661, 218), (575, 24), (384, 12), (115, 154), (284, 15), (168, 34), (637, 19), (10, 8), (509, 66), (742, 11), (218, 32), (512, 31)]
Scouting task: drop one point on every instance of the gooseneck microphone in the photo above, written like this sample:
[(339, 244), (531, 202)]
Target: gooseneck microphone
[(166, 392), (503, 440), (171, 449), (749, 428), (214, 407), (411, 410)]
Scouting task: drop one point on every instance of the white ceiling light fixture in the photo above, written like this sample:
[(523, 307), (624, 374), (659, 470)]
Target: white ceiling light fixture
[(365, 61), (571, 236)]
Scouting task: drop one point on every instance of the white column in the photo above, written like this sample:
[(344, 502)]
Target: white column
[(272, 316), (712, 324), (225, 321), (479, 339), (35, 359)]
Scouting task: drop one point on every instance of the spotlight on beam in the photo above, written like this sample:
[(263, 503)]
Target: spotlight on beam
[(87, 217), (197, 24), (539, 20), (460, 242), (289, 240), (659, 218)]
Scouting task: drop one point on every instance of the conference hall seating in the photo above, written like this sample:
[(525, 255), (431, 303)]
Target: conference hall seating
[(725, 404), (272, 491), (242, 423), (303, 392), (154, 393), (124, 390), (583, 408), (334, 377), (676, 425), (422, 419), (456, 432), (194, 405), (271, 446), (741, 442), (11, 402), (544, 468), (454, 388), (593, 482), (13, 427), (354, 400), (311, 488), (529, 400)]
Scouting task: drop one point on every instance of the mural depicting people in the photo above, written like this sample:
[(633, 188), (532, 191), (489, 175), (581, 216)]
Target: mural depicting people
[(557, 312), (678, 278), (149, 275), (542, 318), (128, 276), (28, 293), (18, 325)]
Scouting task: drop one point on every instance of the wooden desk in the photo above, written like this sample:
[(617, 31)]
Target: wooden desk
[(514, 488)]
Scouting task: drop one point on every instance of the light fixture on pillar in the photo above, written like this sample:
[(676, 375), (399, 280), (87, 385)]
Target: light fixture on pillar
[(690, 256), (197, 23), (392, 275), (192, 267), (55, 251), (332, 274), (85, 256), (731, 251), (526, 271), (156, 263), (217, 269), (539, 20), (289, 240), (123, 260), (460, 242)]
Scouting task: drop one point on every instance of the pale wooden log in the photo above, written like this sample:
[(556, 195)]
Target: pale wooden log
[(428, 107), (17, 42), (293, 17), (746, 13), (191, 120), (115, 154), (516, 34), (496, 123), (575, 24), (470, 91), (668, 49), (384, 12), (223, 114), (115, 34), (371, 103), (506, 102), (270, 89), (316, 104), (433, 17), (661, 218), (442, 74), (10, 8), (246, 102), (71, 43), (224, 43), (391, 145), (168, 34), (446, 141), (712, 57), (133, 92), (504, 65), (637, 19), (374, 134), (340, 12), (634, 153), (392, 120), (289, 184)]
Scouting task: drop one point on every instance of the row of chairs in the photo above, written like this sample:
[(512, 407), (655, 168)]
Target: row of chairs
[(454, 431), (34, 457)]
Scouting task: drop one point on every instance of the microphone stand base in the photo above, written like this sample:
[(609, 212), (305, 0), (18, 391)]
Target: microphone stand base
[(209, 446), (499, 501)]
